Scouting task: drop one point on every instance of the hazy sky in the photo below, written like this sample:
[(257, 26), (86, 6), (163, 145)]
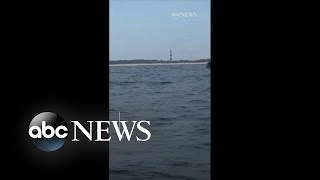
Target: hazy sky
[(147, 29)]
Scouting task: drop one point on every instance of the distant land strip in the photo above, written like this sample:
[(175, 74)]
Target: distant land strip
[(159, 62), (155, 64)]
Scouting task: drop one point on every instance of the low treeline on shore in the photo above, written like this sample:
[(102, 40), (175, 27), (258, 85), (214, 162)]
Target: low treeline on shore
[(144, 61)]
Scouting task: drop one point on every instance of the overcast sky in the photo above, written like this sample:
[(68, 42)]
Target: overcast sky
[(148, 29)]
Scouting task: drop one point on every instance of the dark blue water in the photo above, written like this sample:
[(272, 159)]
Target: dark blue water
[(176, 100)]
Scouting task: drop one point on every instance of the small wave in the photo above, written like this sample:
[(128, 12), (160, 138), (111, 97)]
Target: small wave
[(164, 119), (176, 163), (160, 83), (162, 123), (119, 171), (193, 147), (197, 101), (201, 131), (128, 82), (166, 175)]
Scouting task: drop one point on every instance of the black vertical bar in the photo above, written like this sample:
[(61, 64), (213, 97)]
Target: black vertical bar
[(58, 62)]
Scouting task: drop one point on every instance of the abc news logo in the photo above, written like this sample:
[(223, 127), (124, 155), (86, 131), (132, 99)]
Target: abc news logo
[(48, 131)]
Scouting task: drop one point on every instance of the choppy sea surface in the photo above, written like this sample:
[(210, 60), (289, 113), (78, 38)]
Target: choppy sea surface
[(176, 101)]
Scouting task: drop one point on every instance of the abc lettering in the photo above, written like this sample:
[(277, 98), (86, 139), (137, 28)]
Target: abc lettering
[(36, 132)]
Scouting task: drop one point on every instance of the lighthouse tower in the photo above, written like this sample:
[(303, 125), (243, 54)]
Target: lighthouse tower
[(170, 55)]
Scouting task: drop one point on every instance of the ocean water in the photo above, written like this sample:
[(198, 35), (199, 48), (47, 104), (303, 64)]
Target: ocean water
[(176, 101)]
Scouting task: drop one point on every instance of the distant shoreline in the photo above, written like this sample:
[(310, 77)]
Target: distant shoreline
[(155, 62), (159, 64)]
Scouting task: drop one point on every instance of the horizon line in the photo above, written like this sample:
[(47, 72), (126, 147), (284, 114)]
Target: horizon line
[(158, 59)]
